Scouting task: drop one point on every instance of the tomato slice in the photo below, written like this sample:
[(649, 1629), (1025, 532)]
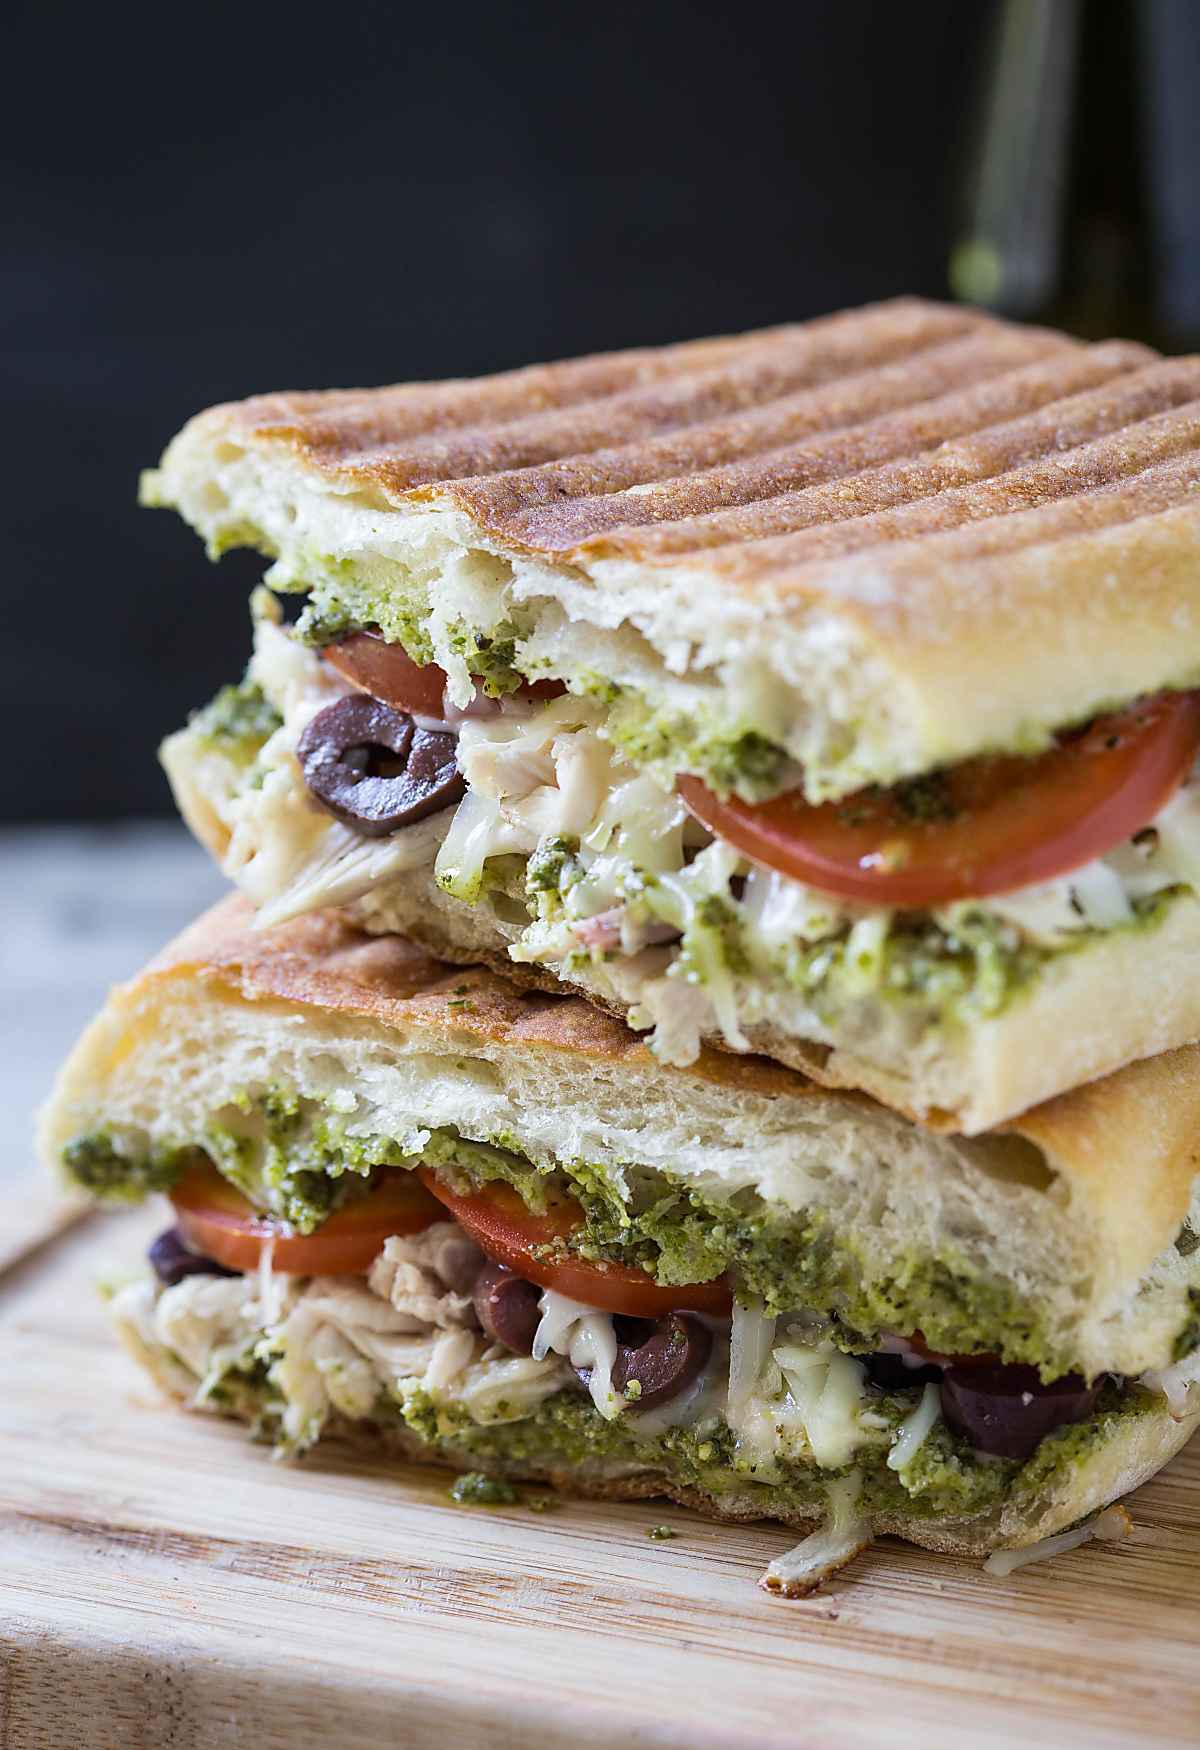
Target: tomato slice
[(986, 826), (387, 672), (983, 1358), (214, 1218), (501, 1225)]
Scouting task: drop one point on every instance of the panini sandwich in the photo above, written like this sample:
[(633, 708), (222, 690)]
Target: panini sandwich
[(416, 1206), (828, 693)]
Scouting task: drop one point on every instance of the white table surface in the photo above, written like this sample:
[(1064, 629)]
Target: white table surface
[(83, 908)]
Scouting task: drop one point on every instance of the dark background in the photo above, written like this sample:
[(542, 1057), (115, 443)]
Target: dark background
[(206, 202)]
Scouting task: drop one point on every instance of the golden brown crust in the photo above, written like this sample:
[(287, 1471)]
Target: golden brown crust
[(409, 436), (1131, 1145), (322, 960), (872, 461), (812, 432)]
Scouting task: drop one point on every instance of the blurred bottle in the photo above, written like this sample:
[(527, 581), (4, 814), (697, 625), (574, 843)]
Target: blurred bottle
[(1079, 206)]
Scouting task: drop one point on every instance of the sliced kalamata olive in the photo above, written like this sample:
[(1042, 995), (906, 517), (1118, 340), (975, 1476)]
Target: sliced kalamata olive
[(893, 1373), (507, 1307), (664, 1363), (1007, 1411), (633, 1331), (374, 770), (171, 1260)]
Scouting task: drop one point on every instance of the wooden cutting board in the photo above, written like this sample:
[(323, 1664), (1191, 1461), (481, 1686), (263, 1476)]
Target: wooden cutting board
[(164, 1584)]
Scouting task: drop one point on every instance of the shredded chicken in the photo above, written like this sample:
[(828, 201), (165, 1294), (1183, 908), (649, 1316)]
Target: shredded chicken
[(428, 1276)]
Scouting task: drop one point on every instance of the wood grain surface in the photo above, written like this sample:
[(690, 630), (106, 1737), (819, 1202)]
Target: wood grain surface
[(164, 1584)]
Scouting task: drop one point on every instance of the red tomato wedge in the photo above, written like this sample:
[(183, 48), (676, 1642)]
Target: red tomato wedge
[(214, 1218), (986, 826), (502, 1226), (387, 672)]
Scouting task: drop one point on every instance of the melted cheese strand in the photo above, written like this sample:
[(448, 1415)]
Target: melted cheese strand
[(1175, 1383), (843, 1536), (1110, 1526), (586, 1337), (916, 1428)]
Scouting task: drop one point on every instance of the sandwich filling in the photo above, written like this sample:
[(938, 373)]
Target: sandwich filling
[(309, 1174), (684, 910), (480, 1336)]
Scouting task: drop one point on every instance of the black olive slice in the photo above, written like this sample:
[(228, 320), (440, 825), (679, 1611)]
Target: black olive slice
[(171, 1260), (507, 1307), (664, 1363), (374, 769), (1006, 1410)]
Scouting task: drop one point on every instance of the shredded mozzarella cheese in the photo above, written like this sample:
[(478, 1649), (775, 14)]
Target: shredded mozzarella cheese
[(826, 1393), (587, 1339), (916, 1428), (825, 1551), (270, 1300), (1175, 1383), (751, 1339), (1110, 1526)]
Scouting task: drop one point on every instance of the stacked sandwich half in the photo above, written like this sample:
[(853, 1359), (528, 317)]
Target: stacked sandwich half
[(709, 1007)]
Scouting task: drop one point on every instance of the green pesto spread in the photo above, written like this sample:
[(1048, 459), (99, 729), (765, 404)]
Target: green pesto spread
[(237, 721), (474, 1489), (730, 756), (341, 603), (938, 977), (565, 1433), (106, 1166), (789, 1259), (296, 1158), (290, 1157), (945, 1476), (1189, 1336), (731, 759)]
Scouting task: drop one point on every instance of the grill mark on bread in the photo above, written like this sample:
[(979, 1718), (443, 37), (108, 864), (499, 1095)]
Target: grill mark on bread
[(345, 425), (690, 423), (767, 452), (1020, 418), (878, 546), (1133, 463), (1033, 508)]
